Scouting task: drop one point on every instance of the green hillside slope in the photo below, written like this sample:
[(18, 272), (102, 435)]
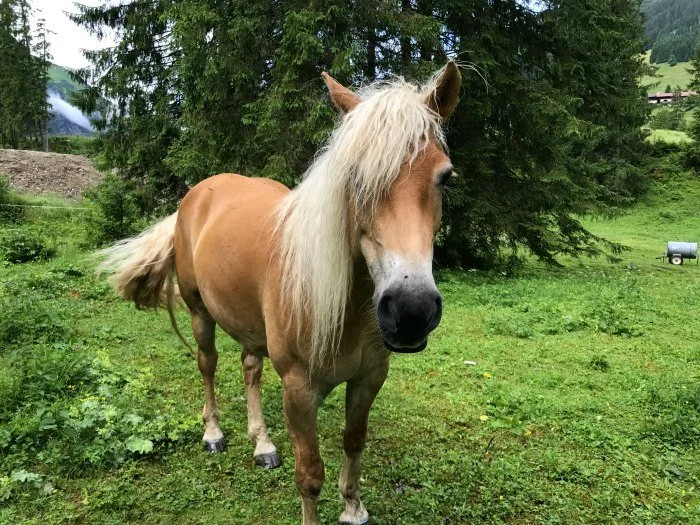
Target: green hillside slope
[(669, 212), (60, 81), (666, 75)]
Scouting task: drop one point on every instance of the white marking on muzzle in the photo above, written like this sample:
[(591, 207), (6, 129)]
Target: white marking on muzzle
[(391, 270)]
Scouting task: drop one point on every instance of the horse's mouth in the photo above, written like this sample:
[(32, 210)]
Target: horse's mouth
[(405, 349)]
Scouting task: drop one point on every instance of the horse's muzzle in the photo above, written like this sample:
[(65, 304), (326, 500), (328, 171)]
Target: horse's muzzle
[(407, 317)]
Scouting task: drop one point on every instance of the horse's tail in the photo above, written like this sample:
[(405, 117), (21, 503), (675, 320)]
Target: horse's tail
[(142, 269)]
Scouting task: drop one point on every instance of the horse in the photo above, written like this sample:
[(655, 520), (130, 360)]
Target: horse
[(326, 280)]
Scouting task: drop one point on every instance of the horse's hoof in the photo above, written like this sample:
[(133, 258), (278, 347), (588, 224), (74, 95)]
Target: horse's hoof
[(215, 445), (366, 522), (268, 461)]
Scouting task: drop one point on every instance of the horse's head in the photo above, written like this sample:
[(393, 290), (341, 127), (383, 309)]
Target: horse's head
[(396, 238)]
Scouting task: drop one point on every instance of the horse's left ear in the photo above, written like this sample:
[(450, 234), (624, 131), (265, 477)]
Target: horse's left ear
[(344, 99), (444, 98)]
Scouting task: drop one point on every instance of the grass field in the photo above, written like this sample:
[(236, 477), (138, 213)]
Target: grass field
[(668, 136), (583, 407), (666, 74)]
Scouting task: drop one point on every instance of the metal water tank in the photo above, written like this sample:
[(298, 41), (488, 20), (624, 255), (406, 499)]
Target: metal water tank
[(678, 251)]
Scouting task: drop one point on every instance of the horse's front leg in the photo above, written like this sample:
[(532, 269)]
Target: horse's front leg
[(359, 396), (300, 410)]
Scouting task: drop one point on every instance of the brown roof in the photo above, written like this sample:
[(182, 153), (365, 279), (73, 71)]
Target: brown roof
[(671, 95)]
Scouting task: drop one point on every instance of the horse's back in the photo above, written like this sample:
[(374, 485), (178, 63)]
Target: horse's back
[(223, 245)]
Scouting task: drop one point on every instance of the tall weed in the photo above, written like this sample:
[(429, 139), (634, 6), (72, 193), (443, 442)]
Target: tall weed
[(9, 209)]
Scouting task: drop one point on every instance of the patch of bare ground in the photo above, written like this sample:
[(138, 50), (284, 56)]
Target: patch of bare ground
[(36, 172)]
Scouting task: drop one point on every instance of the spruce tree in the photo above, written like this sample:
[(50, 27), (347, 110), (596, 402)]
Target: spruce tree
[(548, 128), (693, 152), (23, 77), (139, 127)]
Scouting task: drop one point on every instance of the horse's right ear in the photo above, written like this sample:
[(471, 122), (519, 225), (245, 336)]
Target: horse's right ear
[(343, 99)]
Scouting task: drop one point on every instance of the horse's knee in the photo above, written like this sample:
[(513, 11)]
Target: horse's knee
[(354, 443), (309, 479), (252, 364)]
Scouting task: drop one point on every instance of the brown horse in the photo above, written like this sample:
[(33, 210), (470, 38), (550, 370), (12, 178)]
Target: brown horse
[(325, 280)]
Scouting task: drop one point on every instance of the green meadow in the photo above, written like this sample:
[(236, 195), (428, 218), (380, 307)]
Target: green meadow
[(583, 405), (666, 74), (668, 136)]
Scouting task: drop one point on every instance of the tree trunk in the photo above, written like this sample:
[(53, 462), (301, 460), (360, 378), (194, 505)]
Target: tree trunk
[(406, 51), (371, 67), (45, 134), (426, 54)]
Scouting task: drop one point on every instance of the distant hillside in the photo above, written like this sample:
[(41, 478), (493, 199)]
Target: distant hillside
[(66, 119), (672, 28), (61, 81)]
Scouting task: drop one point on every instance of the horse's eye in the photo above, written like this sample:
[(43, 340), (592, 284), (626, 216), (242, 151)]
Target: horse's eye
[(445, 178)]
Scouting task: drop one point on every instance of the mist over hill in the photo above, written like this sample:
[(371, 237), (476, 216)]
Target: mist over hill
[(65, 119)]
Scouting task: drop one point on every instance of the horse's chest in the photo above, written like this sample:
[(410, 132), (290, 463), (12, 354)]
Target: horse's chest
[(354, 361)]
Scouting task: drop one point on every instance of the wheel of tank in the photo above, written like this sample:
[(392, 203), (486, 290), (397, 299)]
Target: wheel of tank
[(676, 259)]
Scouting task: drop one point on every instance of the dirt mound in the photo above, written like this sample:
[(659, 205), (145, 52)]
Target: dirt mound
[(36, 172)]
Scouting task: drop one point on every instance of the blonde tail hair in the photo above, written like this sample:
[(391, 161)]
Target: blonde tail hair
[(142, 269)]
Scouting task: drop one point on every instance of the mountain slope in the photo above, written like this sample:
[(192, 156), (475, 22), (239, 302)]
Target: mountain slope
[(673, 28), (61, 82)]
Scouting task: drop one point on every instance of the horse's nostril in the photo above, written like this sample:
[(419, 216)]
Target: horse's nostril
[(386, 311), (437, 314)]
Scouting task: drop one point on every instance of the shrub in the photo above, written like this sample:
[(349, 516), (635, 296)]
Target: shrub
[(9, 212), (114, 212), (74, 145), (76, 410), (20, 246), (669, 118)]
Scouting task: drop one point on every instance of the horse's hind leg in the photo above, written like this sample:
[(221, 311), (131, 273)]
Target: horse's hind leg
[(204, 327), (265, 454)]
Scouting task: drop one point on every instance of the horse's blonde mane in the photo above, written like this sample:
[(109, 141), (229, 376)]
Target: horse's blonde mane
[(354, 171)]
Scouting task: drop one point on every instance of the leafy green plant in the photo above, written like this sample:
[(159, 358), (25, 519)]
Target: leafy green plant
[(614, 319), (78, 411), (23, 245), (20, 480), (505, 324), (599, 363), (73, 145)]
